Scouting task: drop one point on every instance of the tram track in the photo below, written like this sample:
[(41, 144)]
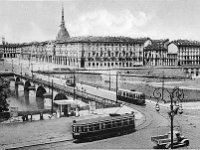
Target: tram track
[(28, 146)]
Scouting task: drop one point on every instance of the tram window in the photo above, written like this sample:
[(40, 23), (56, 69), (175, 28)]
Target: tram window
[(125, 122), (96, 126), (80, 129), (114, 124), (90, 128), (108, 124), (74, 129), (123, 93), (100, 126), (84, 129), (131, 95), (104, 126), (131, 121), (119, 123)]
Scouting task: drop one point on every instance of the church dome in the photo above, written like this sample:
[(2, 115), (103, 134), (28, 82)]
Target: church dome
[(63, 33)]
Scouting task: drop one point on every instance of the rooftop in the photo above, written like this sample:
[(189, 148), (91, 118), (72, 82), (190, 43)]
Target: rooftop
[(105, 39), (186, 43)]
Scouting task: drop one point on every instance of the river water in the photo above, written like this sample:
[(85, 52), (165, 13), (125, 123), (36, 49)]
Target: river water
[(27, 101)]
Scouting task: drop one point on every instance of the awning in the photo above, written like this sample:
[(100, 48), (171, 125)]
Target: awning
[(65, 102)]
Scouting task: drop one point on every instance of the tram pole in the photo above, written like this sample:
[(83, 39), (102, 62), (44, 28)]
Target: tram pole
[(74, 83), (116, 84), (172, 115), (52, 97)]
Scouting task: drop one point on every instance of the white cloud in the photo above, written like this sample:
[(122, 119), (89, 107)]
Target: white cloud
[(34, 33), (103, 22)]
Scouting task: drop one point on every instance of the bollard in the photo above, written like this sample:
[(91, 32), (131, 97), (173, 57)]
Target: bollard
[(41, 116), (31, 117), (23, 118), (26, 116)]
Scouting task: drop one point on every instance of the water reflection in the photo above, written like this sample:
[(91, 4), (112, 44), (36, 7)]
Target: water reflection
[(27, 100), (23, 99)]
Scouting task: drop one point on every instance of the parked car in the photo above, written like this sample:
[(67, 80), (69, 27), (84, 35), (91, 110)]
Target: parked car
[(164, 141)]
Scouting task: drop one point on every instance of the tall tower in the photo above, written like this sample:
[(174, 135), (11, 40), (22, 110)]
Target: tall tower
[(3, 40), (63, 33)]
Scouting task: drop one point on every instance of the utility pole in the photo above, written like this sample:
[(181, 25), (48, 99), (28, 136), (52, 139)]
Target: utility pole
[(21, 71), (162, 86), (109, 79), (12, 65), (32, 70), (74, 84), (171, 115), (116, 85), (52, 98)]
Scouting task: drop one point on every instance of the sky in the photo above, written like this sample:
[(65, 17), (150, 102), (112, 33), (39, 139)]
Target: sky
[(27, 21)]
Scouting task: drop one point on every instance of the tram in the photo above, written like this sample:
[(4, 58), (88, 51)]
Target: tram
[(131, 96), (101, 127), (70, 82)]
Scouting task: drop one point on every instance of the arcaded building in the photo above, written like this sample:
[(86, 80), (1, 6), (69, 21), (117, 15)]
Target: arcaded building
[(188, 52), (86, 52)]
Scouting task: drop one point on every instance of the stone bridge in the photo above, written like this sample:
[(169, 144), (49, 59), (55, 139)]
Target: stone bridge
[(43, 89)]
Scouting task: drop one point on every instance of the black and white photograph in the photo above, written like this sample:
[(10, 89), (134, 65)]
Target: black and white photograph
[(99, 74)]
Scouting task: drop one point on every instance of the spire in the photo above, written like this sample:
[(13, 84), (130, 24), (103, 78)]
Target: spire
[(63, 33), (3, 40), (62, 18)]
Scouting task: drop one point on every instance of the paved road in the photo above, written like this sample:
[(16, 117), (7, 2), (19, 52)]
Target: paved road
[(155, 124)]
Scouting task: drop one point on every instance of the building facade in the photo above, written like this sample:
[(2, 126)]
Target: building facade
[(188, 52), (104, 52), (155, 54)]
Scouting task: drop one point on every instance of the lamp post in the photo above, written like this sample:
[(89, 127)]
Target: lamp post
[(32, 70), (116, 85), (176, 95), (12, 66), (52, 97), (21, 71), (109, 79)]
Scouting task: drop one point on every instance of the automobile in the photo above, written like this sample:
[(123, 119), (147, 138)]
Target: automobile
[(164, 141)]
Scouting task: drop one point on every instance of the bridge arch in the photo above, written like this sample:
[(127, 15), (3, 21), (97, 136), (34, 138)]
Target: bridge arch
[(40, 91), (27, 84), (60, 96)]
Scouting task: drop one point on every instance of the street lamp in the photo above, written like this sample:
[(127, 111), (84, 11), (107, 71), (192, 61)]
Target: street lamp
[(12, 65), (176, 96), (32, 70)]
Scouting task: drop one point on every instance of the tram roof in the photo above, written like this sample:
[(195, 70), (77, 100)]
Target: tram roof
[(135, 92), (102, 119)]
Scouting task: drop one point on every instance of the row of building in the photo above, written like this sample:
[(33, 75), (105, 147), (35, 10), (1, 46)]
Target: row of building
[(105, 52)]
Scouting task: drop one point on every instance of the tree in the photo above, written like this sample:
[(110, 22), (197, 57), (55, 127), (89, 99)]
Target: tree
[(3, 95)]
